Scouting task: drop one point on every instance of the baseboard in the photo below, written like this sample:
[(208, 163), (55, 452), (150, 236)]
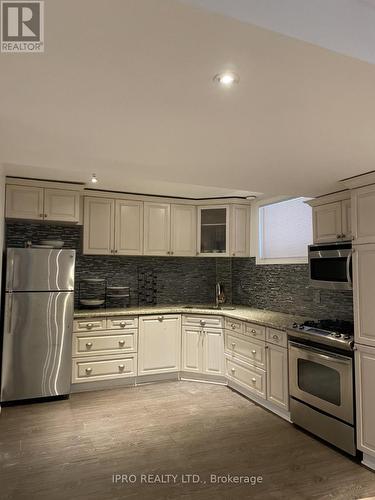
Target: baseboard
[(102, 385), (159, 377), (206, 378), (368, 461), (260, 401)]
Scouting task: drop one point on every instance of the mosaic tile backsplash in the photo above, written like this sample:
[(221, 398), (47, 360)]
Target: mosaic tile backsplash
[(168, 280)]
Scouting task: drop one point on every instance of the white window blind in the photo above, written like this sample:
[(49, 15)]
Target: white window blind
[(285, 230)]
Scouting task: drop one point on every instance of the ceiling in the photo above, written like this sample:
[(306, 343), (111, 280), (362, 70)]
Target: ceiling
[(344, 26), (127, 92)]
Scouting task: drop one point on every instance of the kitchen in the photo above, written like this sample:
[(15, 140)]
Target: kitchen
[(168, 338)]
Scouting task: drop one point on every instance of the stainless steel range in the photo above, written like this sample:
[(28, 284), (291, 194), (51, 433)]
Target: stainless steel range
[(321, 380)]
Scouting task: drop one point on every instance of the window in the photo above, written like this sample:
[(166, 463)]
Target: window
[(285, 231)]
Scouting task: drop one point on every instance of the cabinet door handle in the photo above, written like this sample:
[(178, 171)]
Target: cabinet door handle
[(171, 253), (45, 216), (121, 342), (88, 371), (41, 216), (89, 345), (233, 254), (338, 236)]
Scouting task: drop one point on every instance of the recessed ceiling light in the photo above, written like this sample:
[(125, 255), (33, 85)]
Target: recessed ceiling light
[(226, 79), (94, 179)]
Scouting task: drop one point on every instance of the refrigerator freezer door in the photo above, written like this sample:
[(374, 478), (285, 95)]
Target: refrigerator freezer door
[(37, 345), (31, 269)]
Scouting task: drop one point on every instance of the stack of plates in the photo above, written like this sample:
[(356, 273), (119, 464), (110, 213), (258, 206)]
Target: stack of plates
[(50, 244)]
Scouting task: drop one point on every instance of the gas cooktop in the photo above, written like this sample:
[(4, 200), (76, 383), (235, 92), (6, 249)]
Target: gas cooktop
[(336, 333)]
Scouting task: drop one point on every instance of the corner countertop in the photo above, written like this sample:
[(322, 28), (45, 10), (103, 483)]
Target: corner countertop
[(273, 319)]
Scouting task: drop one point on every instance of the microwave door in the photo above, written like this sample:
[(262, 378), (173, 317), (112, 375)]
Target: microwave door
[(331, 269)]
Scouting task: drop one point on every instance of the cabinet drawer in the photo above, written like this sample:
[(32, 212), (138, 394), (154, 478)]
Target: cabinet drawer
[(277, 337), (253, 378), (104, 344), (198, 320), (254, 352), (86, 325), (122, 322), (234, 325), (256, 331), (91, 369)]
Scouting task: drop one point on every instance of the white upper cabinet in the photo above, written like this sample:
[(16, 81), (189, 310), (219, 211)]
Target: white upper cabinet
[(157, 228), (98, 233), (183, 230), (363, 200), (213, 231), (159, 344), (364, 293), (41, 203), (24, 202), (239, 231), (129, 227), (327, 222), (61, 205), (346, 220)]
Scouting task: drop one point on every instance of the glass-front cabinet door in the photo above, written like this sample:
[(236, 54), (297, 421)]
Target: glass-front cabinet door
[(213, 230)]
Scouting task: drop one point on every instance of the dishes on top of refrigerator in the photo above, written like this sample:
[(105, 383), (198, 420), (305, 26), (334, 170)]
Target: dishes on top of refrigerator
[(52, 243)]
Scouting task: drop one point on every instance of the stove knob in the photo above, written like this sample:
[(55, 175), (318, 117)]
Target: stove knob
[(338, 335), (295, 325), (346, 337), (301, 327)]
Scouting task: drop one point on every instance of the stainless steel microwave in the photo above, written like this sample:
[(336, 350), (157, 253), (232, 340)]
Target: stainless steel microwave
[(330, 265)]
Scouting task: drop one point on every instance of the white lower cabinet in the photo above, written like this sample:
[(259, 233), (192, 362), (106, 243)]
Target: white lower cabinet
[(277, 376), (202, 350), (103, 368), (159, 346), (365, 383), (250, 376)]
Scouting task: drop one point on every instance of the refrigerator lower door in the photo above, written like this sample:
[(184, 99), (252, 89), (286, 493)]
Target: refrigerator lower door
[(37, 345)]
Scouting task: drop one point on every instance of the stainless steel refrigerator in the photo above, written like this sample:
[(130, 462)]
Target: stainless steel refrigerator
[(38, 320)]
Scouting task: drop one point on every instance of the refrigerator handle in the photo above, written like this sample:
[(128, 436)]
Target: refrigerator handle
[(9, 312), (10, 275)]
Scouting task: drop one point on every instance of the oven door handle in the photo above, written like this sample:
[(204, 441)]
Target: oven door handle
[(321, 354), (348, 260)]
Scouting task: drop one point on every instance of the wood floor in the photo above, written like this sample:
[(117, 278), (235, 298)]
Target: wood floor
[(71, 449)]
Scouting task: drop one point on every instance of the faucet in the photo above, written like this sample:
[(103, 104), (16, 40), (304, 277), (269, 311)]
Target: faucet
[(219, 295)]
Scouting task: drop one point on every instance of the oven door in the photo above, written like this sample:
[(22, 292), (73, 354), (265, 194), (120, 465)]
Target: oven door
[(322, 379), (330, 266)]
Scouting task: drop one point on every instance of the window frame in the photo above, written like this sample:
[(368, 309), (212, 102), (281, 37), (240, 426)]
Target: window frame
[(282, 260)]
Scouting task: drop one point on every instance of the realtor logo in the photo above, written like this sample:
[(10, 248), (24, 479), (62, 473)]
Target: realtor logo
[(22, 26)]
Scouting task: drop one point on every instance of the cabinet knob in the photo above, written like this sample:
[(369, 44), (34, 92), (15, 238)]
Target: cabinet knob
[(88, 371), (89, 326), (202, 322), (196, 253), (338, 236), (89, 345), (160, 318), (171, 253), (233, 370), (41, 216), (233, 345), (233, 254), (121, 342), (233, 326), (253, 331), (276, 337), (343, 235), (121, 367), (253, 351), (123, 324), (45, 216), (253, 380)]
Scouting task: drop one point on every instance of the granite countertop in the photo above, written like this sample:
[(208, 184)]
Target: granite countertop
[(273, 319)]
